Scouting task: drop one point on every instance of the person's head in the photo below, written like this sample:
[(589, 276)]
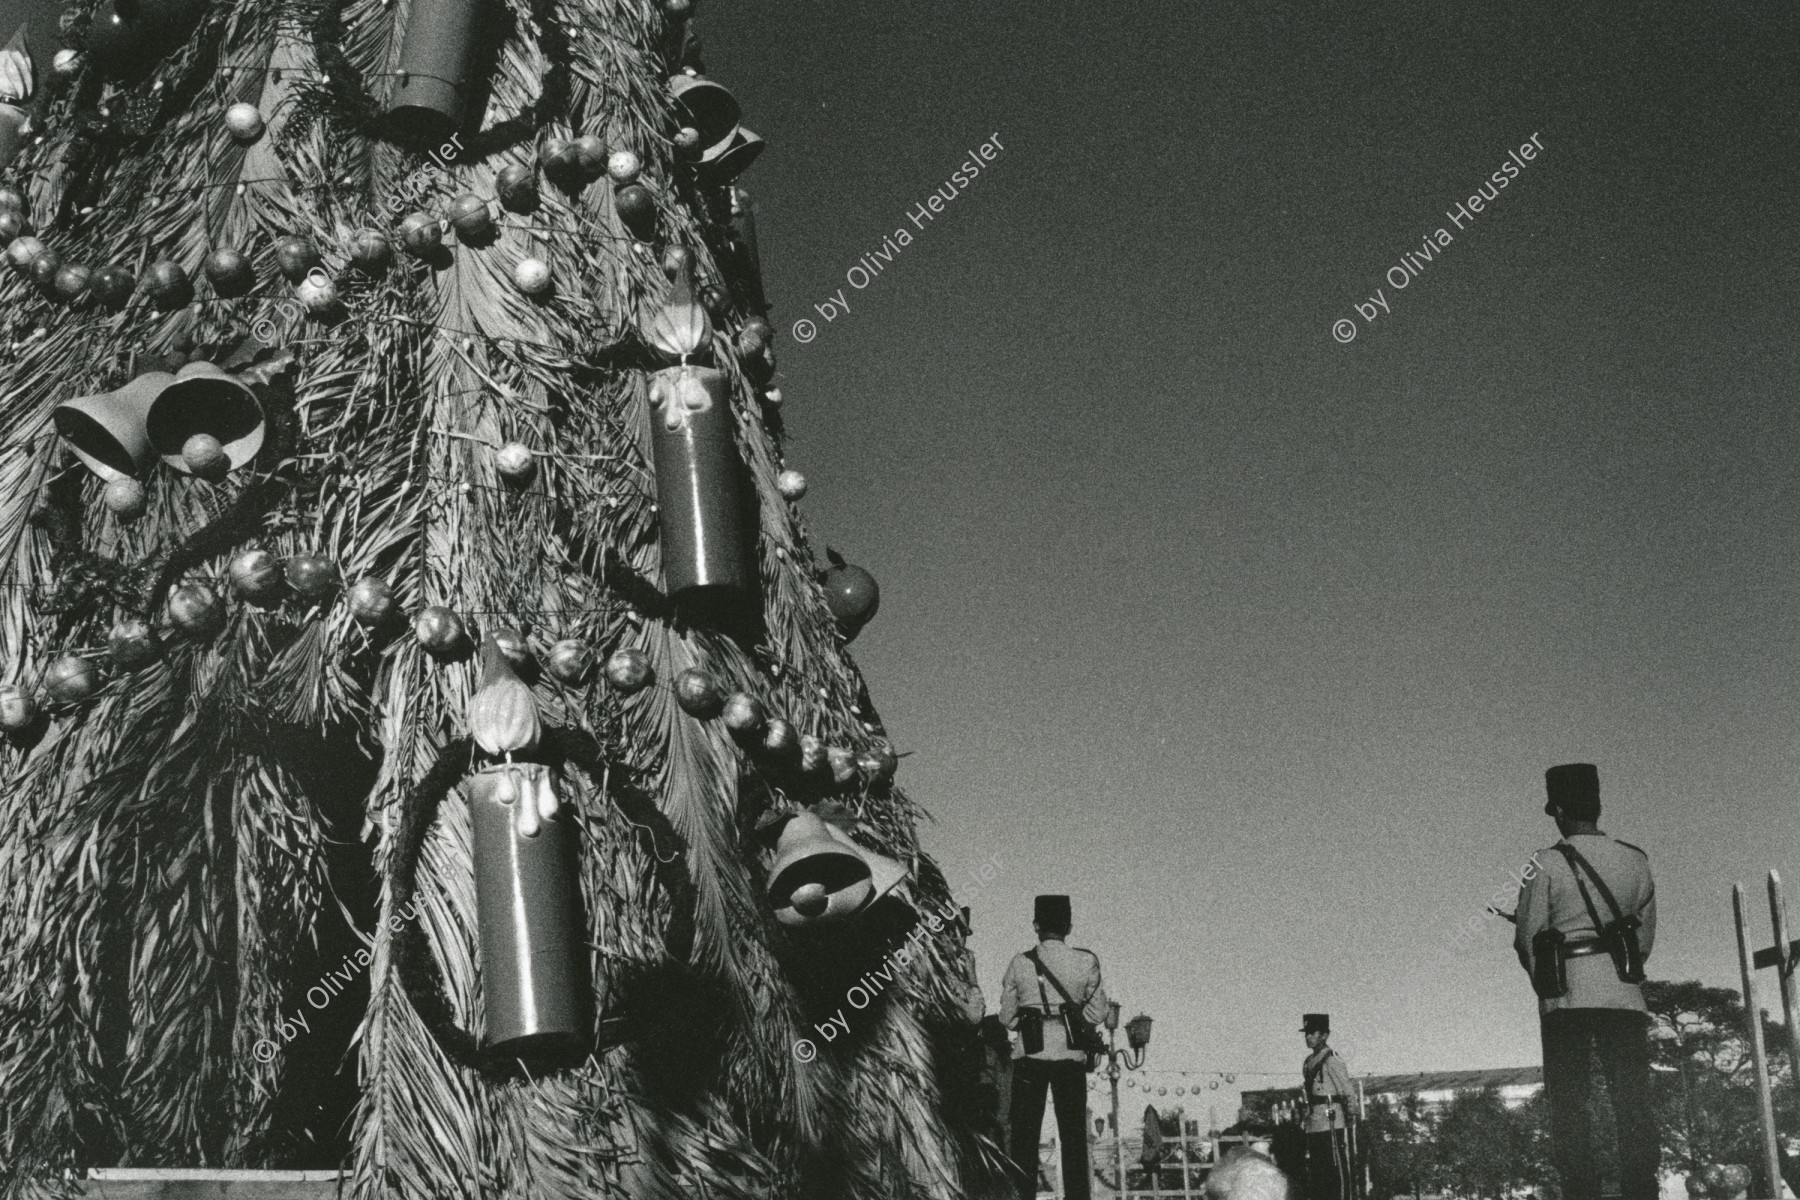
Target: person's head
[(1052, 917), (1316, 1028), (1247, 1175), (1572, 796)]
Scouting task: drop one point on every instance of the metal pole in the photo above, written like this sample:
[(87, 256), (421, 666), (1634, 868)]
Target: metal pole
[(1784, 973), (1112, 1074), (1753, 1017)]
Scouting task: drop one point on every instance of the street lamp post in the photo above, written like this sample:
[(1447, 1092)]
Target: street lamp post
[(1137, 1044)]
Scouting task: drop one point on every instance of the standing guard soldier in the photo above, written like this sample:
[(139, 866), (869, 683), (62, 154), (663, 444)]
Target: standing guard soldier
[(1325, 1113), (1586, 922), (1053, 996)]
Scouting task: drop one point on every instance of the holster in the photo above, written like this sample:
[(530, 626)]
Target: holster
[(1031, 1030), (1549, 969), (1627, 957)]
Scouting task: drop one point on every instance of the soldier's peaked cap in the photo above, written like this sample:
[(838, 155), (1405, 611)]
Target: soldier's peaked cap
[(1572, 790)]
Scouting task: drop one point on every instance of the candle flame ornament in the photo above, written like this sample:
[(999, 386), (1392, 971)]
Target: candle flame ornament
[(503, 714)]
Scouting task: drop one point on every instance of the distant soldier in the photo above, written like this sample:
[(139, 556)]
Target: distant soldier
[(1586, 923), (1327, 1098), (1053, 996)]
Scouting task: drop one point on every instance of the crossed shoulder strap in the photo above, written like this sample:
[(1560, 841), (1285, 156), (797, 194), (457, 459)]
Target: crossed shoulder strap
[(1045, 972), (1578, 864)]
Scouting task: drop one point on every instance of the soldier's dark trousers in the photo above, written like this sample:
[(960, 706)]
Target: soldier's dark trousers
[(1329, 1172), (1067, 1084), (1619, 1037)]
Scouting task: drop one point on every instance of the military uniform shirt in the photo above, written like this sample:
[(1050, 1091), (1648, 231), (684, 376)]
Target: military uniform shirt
[(1078, 971), (1331, 1081), (1551, 900)]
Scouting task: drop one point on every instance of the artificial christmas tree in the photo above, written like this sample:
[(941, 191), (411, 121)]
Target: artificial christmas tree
[(291, 876)]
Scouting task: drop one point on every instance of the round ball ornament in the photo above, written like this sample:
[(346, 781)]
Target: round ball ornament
[(677, 261), (628, 670), (371, 601), (678, 8), (878, 764), (17, 710), (590, 155), (11, 198), (67, 63), (421, 234), (517, 188), (71, 282), (687, 143), (205, 456), (637, 208), (245, 122), (112, 285), (125, 498), (71, 679), (532, 276), (442, 633), (852, 596), (470, 218), (624, 167), (743, 715), (791, 484), (842, 763), (699, 694), (295, 256), (133, 645), (570, 662), (780, 739), (515, 462), (313, 576), (752, 341), (167, 285), (22, 251), (230, 272), (716, 302), (371, 252), (12, 224), (44, 267), (560, 159), (812, 754), (255, 575), (772, 396), (196, 610), (318, 293)]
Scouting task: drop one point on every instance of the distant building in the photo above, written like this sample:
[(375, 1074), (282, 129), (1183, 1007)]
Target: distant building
[(1435, 1089)]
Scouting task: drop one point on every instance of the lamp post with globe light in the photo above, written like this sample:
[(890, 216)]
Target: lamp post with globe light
[(1137, 1044)]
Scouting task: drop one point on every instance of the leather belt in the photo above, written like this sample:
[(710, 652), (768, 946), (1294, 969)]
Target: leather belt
[(1581, 949)]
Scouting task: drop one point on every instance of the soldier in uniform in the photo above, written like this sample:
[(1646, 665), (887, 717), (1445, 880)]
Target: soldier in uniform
[(1030, 998), (1585, 923), (1326, 1106)]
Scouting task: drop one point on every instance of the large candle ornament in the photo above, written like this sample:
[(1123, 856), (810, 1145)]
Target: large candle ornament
[(700, 487), (431, 96), (534, 971)]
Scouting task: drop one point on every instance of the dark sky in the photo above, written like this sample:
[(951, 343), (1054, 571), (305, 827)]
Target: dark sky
[(1256, 643)]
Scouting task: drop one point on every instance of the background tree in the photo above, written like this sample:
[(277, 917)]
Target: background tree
[(241, 698), (1396, 1138), (1703, 1079)]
